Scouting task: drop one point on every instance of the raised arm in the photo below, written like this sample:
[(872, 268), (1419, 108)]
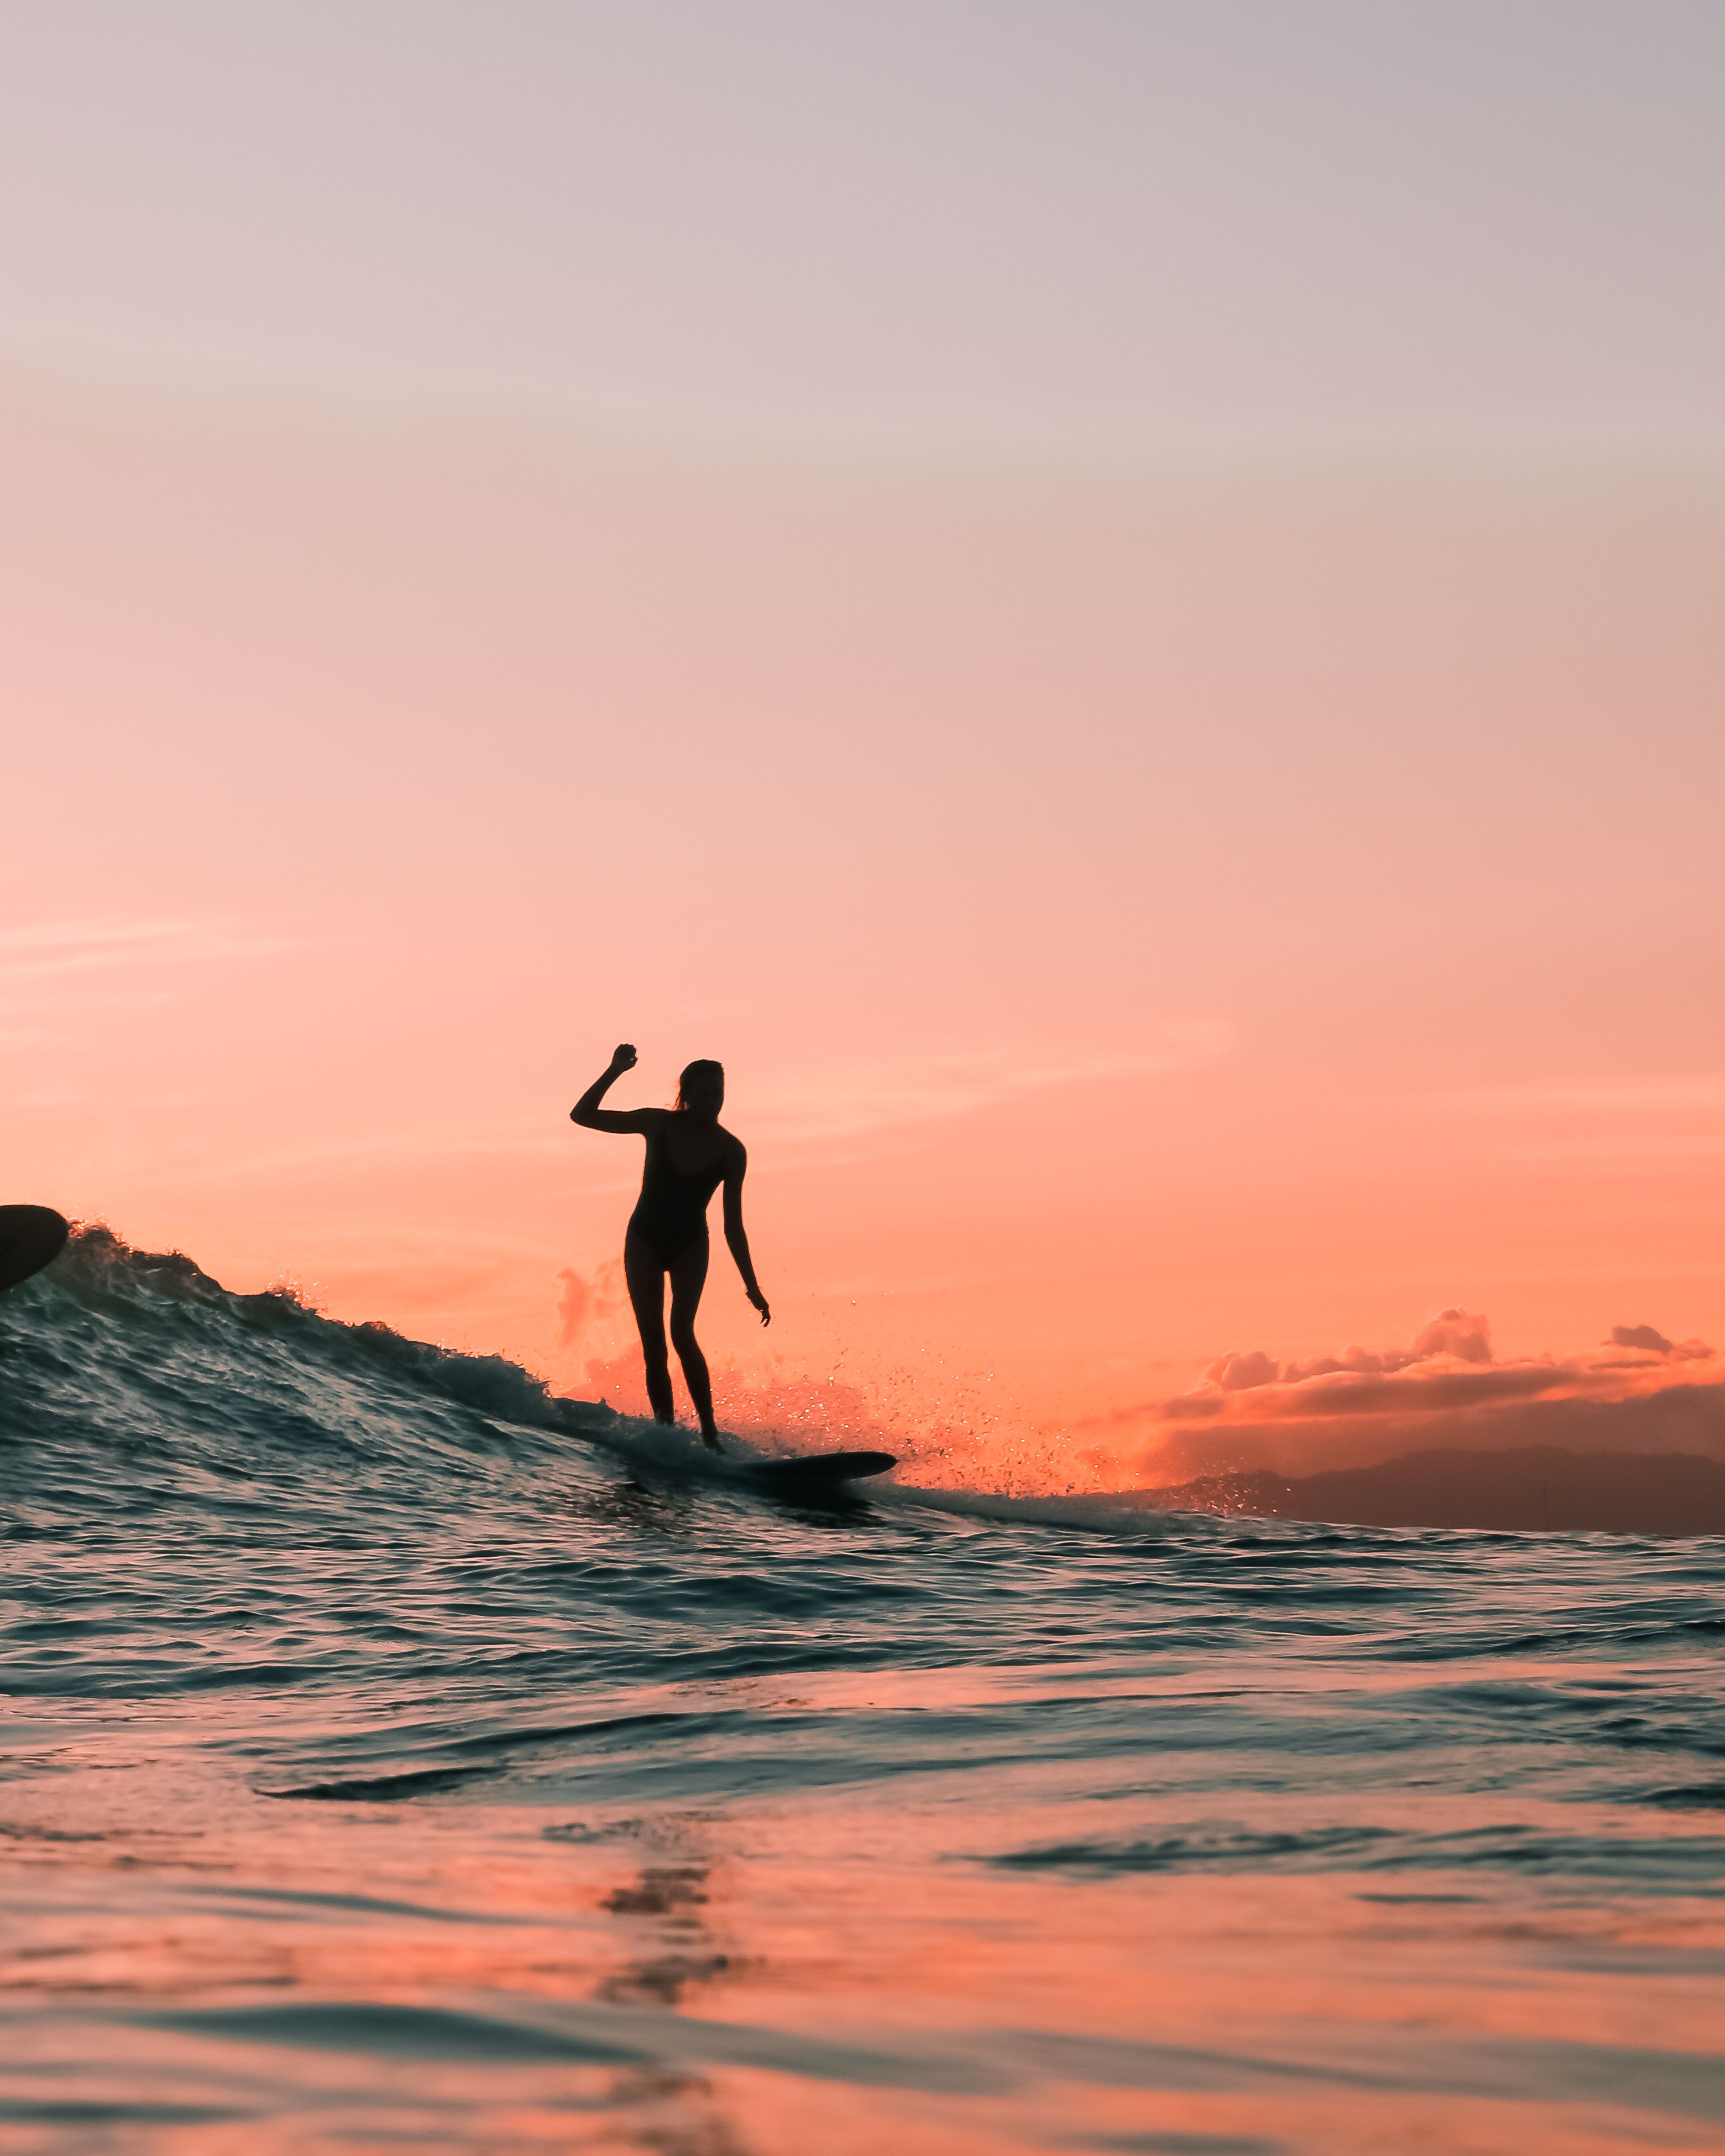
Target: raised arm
[(587, 1112), (734, 1170)]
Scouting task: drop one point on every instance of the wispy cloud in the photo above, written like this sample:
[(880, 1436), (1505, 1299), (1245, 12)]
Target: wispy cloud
[(848, 1099), (1599, 1122), (1701, 1093), (52, 950)]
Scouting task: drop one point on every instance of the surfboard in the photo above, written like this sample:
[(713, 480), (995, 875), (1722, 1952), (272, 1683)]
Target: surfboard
[(31, 1236), (817, 1476), (810, 1478)]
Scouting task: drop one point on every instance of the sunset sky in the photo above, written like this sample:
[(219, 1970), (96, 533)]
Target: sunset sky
[(1116, 605)]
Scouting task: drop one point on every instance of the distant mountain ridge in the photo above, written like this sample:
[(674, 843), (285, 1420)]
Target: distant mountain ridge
[(1526, 1490)]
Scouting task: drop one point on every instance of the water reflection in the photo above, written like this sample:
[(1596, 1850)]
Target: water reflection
[(675, 2114), (670, 2109), (674, 1895), (666, 1510)]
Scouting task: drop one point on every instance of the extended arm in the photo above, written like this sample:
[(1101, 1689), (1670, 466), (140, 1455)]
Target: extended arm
[(587, 1112), (734, 1236)]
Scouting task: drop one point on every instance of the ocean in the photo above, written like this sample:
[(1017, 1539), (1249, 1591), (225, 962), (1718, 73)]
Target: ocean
[(397, 1758)]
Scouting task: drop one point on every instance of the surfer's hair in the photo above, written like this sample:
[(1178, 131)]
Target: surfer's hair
[(703, 1066)]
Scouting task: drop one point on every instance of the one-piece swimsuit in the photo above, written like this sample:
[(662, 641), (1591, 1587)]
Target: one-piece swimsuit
[(671, 1209)]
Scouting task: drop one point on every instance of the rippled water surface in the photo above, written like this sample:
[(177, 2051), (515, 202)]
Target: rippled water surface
[(395, 1758)]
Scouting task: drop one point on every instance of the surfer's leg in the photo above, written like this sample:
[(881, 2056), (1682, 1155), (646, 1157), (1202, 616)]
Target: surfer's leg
[(688, 1276), (645, 1277)]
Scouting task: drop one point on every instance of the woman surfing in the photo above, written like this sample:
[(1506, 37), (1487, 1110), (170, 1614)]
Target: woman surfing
[(688, 1157)]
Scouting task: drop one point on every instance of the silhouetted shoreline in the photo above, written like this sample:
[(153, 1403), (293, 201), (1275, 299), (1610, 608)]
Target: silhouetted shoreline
[(1532, 1488)]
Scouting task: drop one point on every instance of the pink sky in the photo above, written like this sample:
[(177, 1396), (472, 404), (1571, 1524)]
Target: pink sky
[(1190, 832)]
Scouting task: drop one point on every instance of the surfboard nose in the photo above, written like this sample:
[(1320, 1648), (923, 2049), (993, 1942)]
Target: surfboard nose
[(31, 1236)]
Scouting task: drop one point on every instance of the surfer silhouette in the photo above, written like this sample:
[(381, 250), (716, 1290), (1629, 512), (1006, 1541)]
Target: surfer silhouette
[(688, 1155)]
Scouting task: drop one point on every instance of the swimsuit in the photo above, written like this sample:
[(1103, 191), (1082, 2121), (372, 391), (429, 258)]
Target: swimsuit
[(671, 1209)]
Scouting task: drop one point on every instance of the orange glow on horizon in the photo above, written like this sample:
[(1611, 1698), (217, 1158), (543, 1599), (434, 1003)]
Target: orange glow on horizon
[(1021, 895)]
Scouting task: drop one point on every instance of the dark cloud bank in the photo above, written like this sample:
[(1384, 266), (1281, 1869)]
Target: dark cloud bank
[(1628, 1438)]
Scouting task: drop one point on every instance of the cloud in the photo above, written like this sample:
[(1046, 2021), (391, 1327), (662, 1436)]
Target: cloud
[(1601, 1121), (52, 949), (65, 972), (849, 1099), (1445, 1390), (1455, 1332), (1633, 1096), (1640, 1336), (1236, 1373), (1459, 1333), (1653, 1342)]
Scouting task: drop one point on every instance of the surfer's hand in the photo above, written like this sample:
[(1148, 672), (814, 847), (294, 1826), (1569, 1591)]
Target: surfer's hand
[(759, 1300), (623, 1057)]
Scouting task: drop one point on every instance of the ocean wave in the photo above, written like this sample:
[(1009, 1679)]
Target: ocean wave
[(132, 1380)]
